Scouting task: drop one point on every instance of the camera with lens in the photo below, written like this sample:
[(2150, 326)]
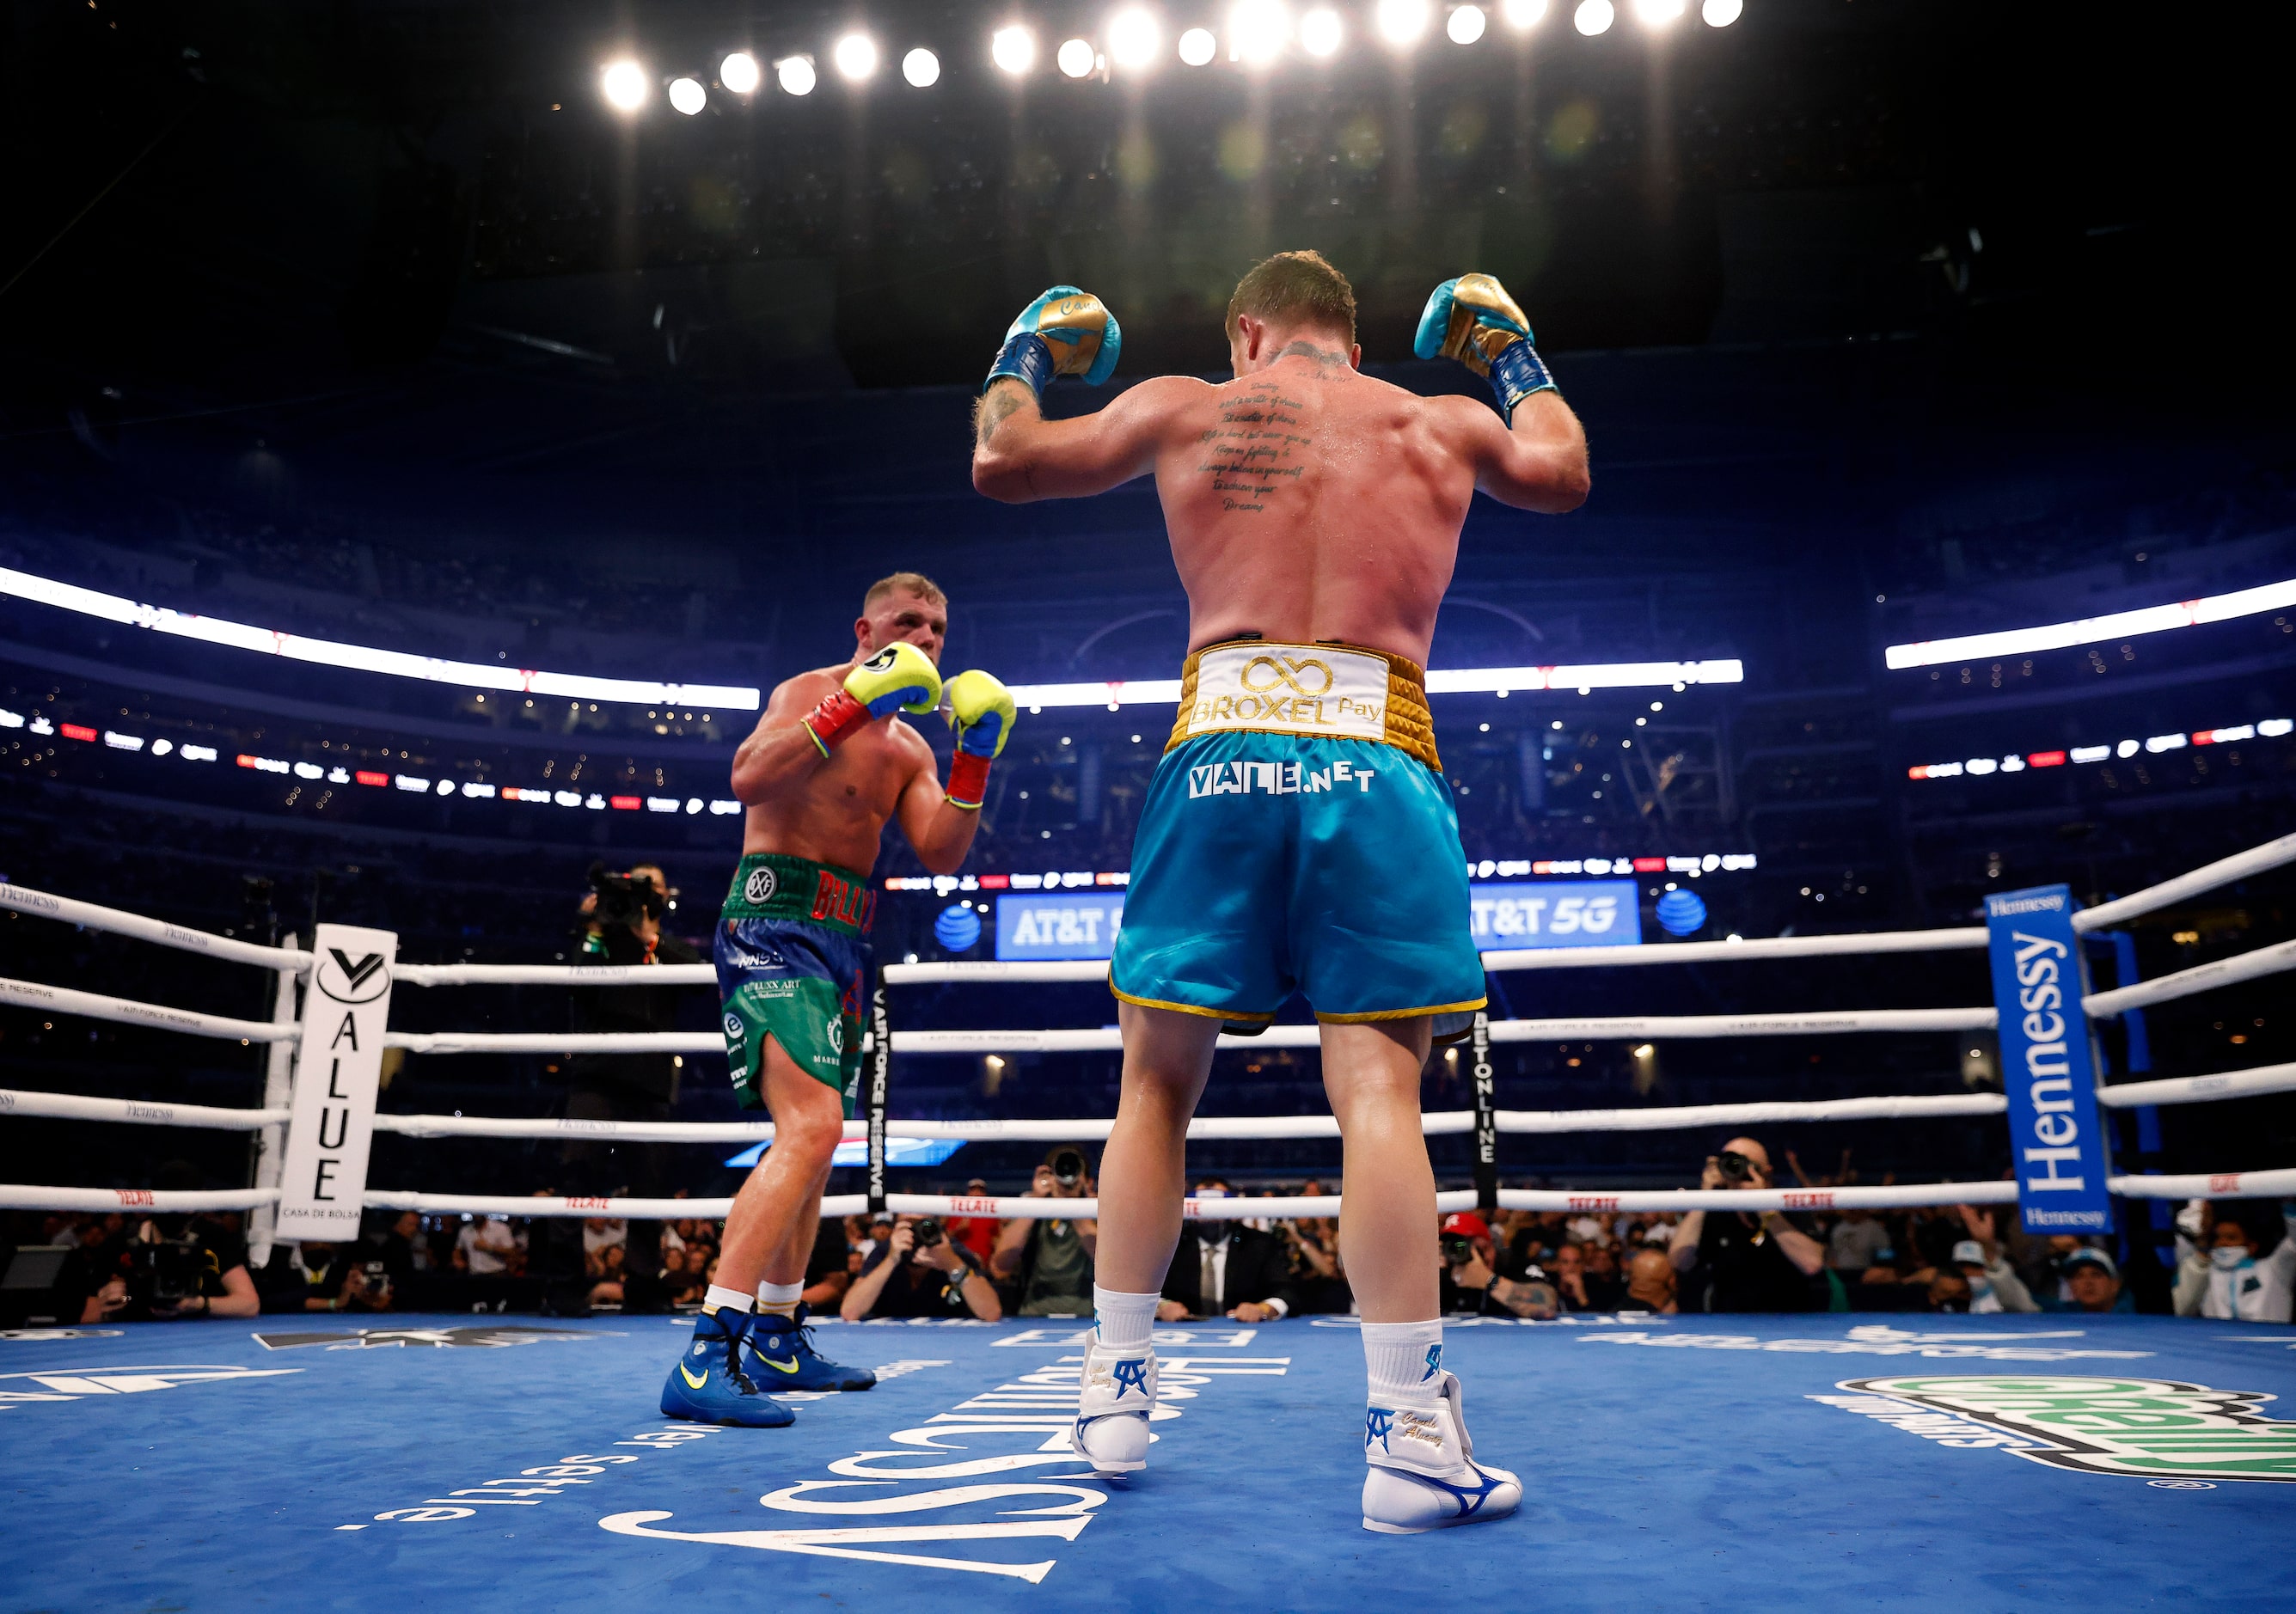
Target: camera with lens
[(1067, 1166), (1733, 1165), (165, 1271), (625, 902), (928, 1232), (1459, 1249), (374, 1278)]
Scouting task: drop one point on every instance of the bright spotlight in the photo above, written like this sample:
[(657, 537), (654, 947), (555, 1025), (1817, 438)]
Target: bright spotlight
[(1722, 13), (1523, 14), (1321, 32), (1466, 24), (1257, 30), (1075, 58), (1013, 49), (739, 73), (1659, 13), (624, 86), (1593, 17), (855, 56), (1402, 21), (687, 95), (1198, 47), (795, 74), (920, 68), (1134, 38)]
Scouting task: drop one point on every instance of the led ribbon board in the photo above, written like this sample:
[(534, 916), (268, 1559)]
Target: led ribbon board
[(2094, 630)]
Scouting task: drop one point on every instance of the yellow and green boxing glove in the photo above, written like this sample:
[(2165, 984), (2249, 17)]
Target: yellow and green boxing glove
[(979, 708), (898, 678)]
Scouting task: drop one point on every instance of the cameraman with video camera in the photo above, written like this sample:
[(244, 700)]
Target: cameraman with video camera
[(1048, 1263), (621, 924), (174, 1267), (1745, 1261), (919, 1271)]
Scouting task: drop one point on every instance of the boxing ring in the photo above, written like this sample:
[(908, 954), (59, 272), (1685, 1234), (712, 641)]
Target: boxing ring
[(2007, 1459)]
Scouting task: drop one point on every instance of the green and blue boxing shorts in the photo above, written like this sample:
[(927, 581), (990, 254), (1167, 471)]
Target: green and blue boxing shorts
[(792, 968), (1298, 835)]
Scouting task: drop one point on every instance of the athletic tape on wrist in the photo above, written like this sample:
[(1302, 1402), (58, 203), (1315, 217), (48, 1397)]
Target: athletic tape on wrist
[(968, 780), (837, 716), (1027, 358), (1516, 373)]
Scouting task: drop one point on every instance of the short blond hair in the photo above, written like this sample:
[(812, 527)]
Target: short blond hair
[(904, 582), (1295, 288)]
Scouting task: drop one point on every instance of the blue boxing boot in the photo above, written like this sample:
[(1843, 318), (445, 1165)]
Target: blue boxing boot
[(782, 1354), (709, 1384)]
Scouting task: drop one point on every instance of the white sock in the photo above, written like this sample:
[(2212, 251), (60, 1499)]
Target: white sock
[(1405, 1359), (780, 1299), (1123, 1319), (721, 1299)]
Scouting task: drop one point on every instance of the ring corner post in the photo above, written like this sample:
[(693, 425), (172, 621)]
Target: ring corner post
[(880, 1071), (338, 1067), (270, 1142), (1486, 1126), (2049, 1064)]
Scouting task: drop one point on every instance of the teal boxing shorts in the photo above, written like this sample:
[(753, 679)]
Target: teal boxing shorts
[(1273, 860)]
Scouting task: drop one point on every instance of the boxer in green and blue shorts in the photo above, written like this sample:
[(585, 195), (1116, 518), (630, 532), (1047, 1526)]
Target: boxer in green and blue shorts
[(793, 967)]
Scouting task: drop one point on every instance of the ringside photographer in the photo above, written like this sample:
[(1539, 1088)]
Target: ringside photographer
[(919, 1271), (1046, 1266), (174, 1266), (1740, 1261)]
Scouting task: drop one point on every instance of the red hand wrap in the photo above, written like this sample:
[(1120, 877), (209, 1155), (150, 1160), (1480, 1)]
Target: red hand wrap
[(837, 716), (968, 780)]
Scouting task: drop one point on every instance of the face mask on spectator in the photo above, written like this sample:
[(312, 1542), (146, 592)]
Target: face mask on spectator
[(2230, 1257)]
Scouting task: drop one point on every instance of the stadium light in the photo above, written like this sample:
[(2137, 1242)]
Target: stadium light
[(1466, 23), (1722, 13), (1321, 32), (1257, 30), (739, 73), (623, 84), (1401, 23), (920, 68), (360, 657), (1593, 17), (855, 56), (2095, 630), (1659, 13), (1075, 57), (687, 95), (1013, 49), (795, 74), (1198, 47), (1523, 15), (1134, 40)]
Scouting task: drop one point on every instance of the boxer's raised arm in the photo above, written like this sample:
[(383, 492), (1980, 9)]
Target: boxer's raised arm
[(939, 830), (779, 750), (1018, 456), (1539, 463)]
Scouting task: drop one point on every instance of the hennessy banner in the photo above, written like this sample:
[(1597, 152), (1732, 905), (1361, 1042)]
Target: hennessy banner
[(323, 1185), (2056, 1138)]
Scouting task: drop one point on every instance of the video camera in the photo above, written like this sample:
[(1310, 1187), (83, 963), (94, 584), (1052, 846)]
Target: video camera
[(623, 901), (165, 1271)]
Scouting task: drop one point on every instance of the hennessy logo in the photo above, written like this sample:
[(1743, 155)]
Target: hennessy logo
[(1286, 670)]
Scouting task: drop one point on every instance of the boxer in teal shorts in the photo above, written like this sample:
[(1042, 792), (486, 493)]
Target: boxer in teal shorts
[(1267, 862)]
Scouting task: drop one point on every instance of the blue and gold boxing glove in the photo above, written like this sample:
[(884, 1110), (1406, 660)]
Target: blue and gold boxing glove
[(979, 708), (1473, 320), (1066, 331), (898, 678)]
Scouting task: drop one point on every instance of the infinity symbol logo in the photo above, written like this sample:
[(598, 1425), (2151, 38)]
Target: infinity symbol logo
[(1285, 671)]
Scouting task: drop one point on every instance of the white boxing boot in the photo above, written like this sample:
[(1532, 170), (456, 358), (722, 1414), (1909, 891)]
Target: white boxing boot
[(1119, 1391), (1423, 1475)]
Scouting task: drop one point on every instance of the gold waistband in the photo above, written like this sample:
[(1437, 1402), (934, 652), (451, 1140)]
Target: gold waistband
[(1404, 721)]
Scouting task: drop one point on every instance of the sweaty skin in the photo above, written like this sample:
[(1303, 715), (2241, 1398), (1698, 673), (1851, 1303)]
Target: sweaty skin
[(1305, 500), (834, 810)]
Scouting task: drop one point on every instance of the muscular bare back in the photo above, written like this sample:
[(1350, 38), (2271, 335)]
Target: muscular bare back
[(1305, 500)]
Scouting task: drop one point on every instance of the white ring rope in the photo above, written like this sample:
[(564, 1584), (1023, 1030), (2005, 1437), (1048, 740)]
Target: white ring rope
[(1895, 1196), (2224, 872), (74, 1107), (1856, 942), (560, 975), (94, 1005), (2225, 1185), (558, 1042), (160, 1201), (93, 916), (2200, 977), (2198, 1089)]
